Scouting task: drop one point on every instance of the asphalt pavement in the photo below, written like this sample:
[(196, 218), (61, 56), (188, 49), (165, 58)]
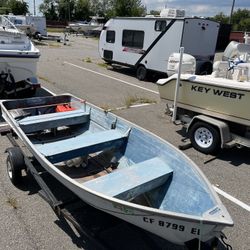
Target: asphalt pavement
[(28, 222)]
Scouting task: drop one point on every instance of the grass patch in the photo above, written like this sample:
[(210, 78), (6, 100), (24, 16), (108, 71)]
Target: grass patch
[(40, 43), (87, 60), (133, 100), (106, 108), (104, 65), (13, 202), (55, 45), (45, 79), (55, 30)]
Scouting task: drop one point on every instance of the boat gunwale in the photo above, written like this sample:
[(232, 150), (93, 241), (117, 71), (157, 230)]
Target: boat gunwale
[(46, 164), (245, 85)]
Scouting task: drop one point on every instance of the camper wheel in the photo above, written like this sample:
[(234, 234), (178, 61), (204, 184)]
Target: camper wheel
[(204, 137), (141, 73), (206, 68), (15, 164)]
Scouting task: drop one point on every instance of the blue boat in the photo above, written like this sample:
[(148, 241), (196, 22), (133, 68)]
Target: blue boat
[(118, 167)]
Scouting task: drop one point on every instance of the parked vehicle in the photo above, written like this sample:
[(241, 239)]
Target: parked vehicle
[(31, 25), (145, 43), (214, 108), (85, 27)]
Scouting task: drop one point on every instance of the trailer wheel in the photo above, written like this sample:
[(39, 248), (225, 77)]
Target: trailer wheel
[(37, 35), (141, 73), (15, 163), (204, 137)]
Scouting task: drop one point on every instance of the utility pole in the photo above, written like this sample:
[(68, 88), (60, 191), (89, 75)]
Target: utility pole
[(231, 14), (34, 4)]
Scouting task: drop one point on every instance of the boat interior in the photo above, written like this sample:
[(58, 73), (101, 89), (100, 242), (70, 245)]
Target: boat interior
[(106, 155)]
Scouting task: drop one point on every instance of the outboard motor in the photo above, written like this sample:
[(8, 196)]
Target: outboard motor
[(7, 82), (188, 64)]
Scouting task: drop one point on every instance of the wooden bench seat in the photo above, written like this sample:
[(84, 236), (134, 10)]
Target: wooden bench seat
[(129, 182), (81, 145), (36, 123)]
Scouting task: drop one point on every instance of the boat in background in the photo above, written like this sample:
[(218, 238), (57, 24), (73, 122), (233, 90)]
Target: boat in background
[(18, 58), (95, 23), (117, 167), (21, 24), (224, 94), (213, 108)]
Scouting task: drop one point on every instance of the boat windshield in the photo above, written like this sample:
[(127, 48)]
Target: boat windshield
[(6, 23)]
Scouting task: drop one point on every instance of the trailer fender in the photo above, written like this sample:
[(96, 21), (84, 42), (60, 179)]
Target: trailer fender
[(222, 127)]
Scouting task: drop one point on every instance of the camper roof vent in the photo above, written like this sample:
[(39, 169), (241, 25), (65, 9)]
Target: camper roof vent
[(172, 13)]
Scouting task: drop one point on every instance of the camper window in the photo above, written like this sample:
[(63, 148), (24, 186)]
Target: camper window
[(133, 38), (18, 22), (110, 37), (160, 25)]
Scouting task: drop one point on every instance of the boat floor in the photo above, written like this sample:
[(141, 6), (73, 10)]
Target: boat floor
[(92, 167), (97, 165)]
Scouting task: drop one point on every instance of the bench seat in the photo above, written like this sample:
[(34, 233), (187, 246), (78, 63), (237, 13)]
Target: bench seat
[(81, 145), (128, 182), (36, 123)]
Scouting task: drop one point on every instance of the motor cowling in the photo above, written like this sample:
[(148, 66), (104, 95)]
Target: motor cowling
[(188, 64)]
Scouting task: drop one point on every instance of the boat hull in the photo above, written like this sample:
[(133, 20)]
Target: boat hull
[(206, 95), (18, 55), (84, 27), (177, 227), (169, 227), (22, 67)]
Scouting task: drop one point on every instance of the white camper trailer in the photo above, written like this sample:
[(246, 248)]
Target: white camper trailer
[(145, 43), (31, 25), (39, 22)]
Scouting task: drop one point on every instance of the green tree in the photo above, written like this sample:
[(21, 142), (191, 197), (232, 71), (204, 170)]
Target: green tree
[(49, 9), (221, 17), (66, 8), (18, 7), (128, 8), (240, 19), (244, 25), (82, 10), (154, 12)]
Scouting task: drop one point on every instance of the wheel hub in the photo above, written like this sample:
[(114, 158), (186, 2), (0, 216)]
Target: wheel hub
[(203, 137), (9, 169)]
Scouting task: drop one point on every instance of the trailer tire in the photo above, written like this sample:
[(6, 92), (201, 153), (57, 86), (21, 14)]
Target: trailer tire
[(204, 137), (37, 36), (15, 163), (141, 73)]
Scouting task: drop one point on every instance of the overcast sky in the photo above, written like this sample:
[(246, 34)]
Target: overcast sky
[(192, 7)]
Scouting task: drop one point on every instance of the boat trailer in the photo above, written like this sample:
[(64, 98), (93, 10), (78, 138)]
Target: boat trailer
[(70, 210)]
